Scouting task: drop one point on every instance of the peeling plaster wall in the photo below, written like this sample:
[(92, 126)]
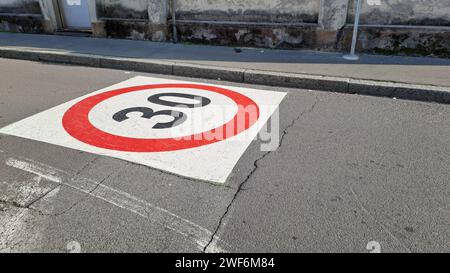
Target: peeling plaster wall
[(21, 16), (249, 35), (130, 9), (132, 19), (410, 27), (399, 41), (333, 14), (249, 10), (227, 22), (405, 12), (20, 6), (401, 27)]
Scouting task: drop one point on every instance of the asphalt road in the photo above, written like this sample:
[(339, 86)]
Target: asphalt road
[(350, 170)]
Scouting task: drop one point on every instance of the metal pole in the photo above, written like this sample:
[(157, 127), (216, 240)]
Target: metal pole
[(352, 56), (174, 23)]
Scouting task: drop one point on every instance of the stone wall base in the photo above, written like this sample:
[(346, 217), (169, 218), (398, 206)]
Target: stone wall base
[(27, 24), (251, 35), (393, 40), (129, 29), (399, 40)]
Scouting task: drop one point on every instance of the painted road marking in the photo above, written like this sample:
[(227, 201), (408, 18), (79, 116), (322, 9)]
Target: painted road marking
[(199, 235), (190, 129), (373, 247), (73, 247)]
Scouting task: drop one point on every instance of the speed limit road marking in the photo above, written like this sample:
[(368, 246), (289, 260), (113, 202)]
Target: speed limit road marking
[(190, 129)]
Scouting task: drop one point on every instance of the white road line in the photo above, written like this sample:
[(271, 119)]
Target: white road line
[(188, 229)]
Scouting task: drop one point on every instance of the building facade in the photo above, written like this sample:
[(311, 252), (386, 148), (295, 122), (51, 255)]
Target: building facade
[(413, 27)]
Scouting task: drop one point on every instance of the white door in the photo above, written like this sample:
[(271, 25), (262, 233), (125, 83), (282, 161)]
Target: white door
[(75, 14)]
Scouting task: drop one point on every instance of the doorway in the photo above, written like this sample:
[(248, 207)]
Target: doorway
[(74, 15)]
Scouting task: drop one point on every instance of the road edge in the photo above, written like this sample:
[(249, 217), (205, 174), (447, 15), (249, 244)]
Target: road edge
[(428, 93)]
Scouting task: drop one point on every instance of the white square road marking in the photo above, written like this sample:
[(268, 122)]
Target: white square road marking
[(164, 124)]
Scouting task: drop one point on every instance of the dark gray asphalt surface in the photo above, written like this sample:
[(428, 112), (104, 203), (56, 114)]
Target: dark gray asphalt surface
[(350, 170)]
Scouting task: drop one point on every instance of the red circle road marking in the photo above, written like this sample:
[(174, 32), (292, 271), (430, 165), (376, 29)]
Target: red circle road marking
[(76, 122)]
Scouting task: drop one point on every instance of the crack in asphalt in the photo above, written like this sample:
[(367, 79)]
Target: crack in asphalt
[(29, 204), (255, 168), (82, 200), (86, 166), (86, 197), (14, 204)]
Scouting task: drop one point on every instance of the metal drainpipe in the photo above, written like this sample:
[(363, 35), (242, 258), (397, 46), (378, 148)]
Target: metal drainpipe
[(174, 23), (352, 56)]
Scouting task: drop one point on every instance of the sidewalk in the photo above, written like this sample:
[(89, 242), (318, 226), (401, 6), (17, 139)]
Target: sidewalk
[(425, 79)]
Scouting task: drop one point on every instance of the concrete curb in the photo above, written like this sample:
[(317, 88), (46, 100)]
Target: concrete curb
[(407, 91)]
